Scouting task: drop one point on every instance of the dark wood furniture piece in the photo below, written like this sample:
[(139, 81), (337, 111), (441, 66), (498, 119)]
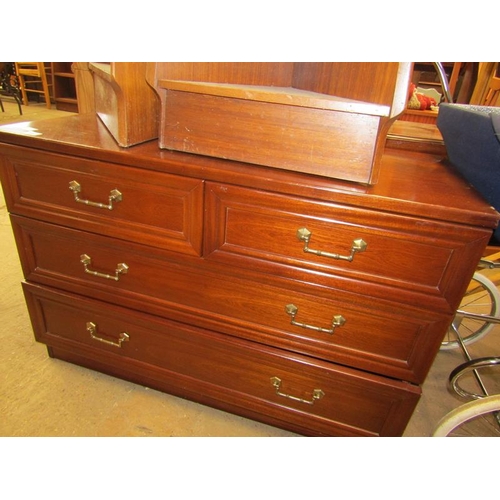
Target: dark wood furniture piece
[(64, 86), (308, 303)]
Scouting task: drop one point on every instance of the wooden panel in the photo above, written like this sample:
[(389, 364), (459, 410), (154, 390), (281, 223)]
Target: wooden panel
[(161, 210), (352, 402), (365, 81), (370, 82), (322, 142), (125, 102), (84, 87), (377, 336), (278, 74), (288, 96)]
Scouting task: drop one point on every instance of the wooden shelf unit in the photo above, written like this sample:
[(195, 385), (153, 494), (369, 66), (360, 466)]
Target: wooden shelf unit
[(329, 119), (63, 80)]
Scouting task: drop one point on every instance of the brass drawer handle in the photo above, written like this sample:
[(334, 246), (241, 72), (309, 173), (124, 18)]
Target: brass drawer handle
[(358, 245), (121, 268), (114, 196), (338, 320), (317, 393), (92, 329)]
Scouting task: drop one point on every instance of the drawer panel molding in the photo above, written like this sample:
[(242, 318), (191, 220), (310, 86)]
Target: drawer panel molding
[(275, 234), (161, 210)]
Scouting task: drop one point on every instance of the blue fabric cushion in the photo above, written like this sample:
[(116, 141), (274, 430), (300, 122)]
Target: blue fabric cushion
[(472, 138)]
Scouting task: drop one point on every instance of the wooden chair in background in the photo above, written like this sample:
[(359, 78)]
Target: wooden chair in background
[(34, 78), (492, 97), (486, 91)]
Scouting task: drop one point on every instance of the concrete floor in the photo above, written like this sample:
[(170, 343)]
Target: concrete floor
[(40, 396)]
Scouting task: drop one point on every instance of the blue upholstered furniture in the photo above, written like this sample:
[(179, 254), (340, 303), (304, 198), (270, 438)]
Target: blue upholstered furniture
[(472, 138)]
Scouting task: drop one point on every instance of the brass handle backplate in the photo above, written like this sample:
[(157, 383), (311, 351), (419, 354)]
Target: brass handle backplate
[(338, 320), (358, 246), (121, 268), (92, 329), (114, 196), (316, 394)]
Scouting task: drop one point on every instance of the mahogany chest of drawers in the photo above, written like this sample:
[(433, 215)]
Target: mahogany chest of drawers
[(307, 303)]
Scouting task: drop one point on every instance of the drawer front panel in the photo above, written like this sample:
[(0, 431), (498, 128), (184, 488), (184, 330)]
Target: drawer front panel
[(336, 400), (159, 209), (370, 334), (262, 230)]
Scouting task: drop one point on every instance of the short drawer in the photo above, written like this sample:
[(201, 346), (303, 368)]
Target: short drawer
[(326, 398), (342, 327), (380, 252), (158, 209)]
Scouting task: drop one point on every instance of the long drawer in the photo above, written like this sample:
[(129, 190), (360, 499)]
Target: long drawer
[(417, 259), (333, 400), (161, 210), (346, 328)]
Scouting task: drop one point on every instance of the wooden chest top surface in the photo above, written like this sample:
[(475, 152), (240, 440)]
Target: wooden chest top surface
[(410, 183)]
